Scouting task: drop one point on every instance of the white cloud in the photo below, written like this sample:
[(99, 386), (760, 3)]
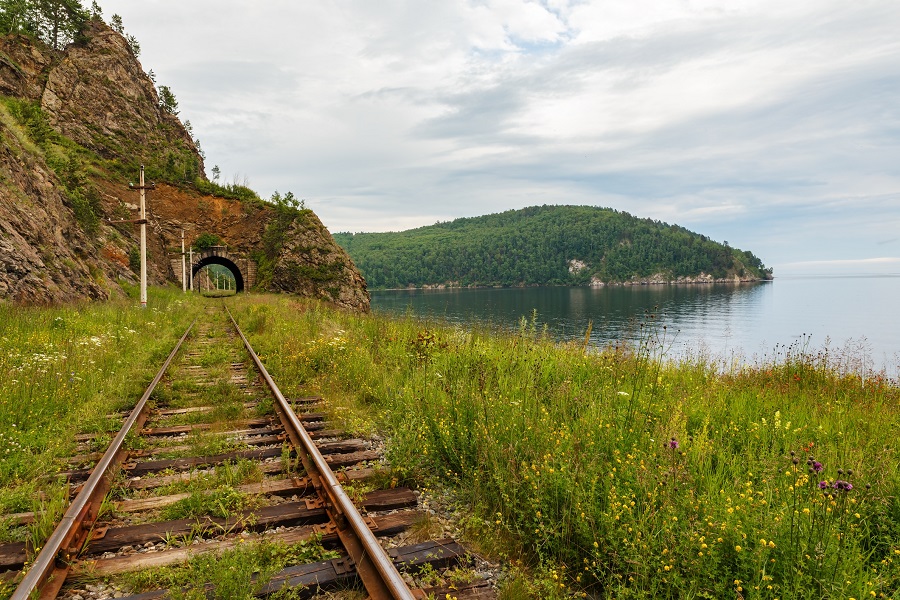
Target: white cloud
[(773, 125)]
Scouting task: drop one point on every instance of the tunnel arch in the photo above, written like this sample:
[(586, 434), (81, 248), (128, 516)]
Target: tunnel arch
[(225, 262)]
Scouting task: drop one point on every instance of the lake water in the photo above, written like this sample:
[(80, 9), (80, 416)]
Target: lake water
[(856, 317)]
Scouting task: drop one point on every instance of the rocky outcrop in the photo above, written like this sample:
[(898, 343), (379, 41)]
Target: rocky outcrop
[(664, 279), (45, 257), (306, 260), (23, 67), (96, 94), (312, 264)]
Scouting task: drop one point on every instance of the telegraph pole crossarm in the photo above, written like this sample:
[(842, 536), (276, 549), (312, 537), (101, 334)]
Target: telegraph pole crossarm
[(135, 221)]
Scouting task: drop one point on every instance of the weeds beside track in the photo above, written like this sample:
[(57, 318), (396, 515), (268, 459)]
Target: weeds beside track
[(212, 479)]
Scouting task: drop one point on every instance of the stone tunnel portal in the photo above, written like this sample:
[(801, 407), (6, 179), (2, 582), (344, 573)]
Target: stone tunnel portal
[(228, 264)]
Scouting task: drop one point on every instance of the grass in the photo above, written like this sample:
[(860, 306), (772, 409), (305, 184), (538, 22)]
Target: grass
[(220, 502), (235, 574), (616, 472), (62, 370)]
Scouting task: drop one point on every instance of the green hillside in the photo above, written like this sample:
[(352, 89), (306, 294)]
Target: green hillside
[(544, 245)]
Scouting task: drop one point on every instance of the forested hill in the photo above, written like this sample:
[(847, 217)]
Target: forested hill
[(546, 245)]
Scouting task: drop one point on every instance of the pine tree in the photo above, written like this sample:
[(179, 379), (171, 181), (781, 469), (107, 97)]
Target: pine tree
[(59, 21), (167, 100), (54, 22)]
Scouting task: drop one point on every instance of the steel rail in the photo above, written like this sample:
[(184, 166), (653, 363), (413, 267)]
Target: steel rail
[(81, 509), (377, 571)]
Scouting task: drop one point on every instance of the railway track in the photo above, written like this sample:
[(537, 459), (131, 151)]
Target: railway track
[(214, 459)]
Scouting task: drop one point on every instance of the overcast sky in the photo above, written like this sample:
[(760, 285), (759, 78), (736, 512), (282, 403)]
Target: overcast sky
[(771, 124)]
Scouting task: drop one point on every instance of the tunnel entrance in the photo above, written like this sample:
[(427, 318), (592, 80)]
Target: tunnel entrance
[(238, 264), (224, 262)]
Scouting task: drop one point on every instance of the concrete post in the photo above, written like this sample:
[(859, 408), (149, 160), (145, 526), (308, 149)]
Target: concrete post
[(143, 242), (183, 267)]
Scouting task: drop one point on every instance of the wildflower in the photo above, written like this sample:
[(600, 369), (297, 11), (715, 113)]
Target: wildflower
[(823, 485), (673, 444), (817, 466), (843, 486)]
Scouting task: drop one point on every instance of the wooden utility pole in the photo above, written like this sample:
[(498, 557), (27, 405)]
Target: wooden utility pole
[(143, 222)]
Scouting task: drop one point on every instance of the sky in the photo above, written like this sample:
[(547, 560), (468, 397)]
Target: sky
[(772, 125)]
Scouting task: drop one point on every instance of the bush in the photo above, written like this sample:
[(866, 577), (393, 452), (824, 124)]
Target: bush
[(207, 240)]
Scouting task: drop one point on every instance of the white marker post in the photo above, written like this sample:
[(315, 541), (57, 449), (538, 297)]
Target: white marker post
[(143, 223), (143, 242), (183, 265), (191, 254)]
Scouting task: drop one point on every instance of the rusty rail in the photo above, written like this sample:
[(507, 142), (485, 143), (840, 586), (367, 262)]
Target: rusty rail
[(73, 529), (375, 568)]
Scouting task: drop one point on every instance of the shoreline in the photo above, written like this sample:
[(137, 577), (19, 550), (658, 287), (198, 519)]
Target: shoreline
[(593, 284)]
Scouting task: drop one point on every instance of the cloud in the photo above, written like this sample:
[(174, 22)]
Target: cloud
[(772, 125)]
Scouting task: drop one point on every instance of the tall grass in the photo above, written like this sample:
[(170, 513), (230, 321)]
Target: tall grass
[(63, 371), (620, 473)]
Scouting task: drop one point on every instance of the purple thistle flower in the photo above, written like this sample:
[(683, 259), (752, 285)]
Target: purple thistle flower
[(817, 466), (823, 485), (844, 486), (673, 443)]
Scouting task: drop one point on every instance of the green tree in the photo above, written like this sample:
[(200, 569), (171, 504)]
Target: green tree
[(539, 245), (167, 100), (16, 16), (54, 22), (133, 44)]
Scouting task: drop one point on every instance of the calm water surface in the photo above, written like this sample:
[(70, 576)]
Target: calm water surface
[(855, 316)]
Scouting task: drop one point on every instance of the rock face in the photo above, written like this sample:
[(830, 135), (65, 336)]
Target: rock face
[(22, 67), (45, 257), (312, 265), (96, 95)]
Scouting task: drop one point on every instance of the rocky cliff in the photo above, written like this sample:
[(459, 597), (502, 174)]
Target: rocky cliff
[(76, 125)]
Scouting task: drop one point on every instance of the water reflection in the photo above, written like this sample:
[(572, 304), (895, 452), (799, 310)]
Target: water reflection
[(746, 320)]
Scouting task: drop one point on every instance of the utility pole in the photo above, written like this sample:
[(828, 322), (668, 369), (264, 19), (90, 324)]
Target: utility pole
[(183, 266), (192, 266), (143, 223)]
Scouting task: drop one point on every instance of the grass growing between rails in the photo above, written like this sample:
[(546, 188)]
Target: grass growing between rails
[(62, 371), (617, 474)]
